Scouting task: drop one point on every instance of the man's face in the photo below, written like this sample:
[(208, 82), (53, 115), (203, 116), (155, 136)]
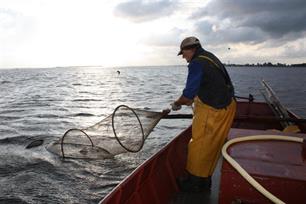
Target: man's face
[(188, 54)]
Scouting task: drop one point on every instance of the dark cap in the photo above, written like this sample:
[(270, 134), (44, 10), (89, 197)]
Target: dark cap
[(189, 42)]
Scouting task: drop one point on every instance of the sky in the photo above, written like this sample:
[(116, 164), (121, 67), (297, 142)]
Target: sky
[(110, 33)]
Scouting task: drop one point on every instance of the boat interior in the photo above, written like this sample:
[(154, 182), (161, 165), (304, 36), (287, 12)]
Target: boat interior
[(252, 118), (155, 180)]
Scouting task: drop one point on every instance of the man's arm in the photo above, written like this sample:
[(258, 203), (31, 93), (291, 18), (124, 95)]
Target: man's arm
[(193, 82), (182, 100)]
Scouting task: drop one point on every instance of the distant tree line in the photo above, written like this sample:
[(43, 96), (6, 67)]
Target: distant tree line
[(299, 65), (267, 64)]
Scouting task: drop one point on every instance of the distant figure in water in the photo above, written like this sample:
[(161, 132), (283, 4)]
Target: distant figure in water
[(118, 72)]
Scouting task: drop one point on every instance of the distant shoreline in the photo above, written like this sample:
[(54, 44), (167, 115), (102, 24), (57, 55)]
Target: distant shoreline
[(268, 64), (257, 65)]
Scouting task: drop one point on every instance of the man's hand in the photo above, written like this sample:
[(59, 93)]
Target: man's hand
[(182, 100), (175, 107)]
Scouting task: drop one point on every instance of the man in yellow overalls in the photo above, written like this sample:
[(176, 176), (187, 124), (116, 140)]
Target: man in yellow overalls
[(209, 87)]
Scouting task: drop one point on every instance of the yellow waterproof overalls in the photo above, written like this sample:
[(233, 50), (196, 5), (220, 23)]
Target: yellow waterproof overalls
[(210, 127)]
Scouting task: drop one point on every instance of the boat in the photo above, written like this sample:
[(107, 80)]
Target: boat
[(279, 166)]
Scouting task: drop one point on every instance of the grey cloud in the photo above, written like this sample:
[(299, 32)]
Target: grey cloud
[(228, 34), (141, 11), (236, 8), (298, 50), (268, 19), (205, 27), (171, 38), (278, 25)]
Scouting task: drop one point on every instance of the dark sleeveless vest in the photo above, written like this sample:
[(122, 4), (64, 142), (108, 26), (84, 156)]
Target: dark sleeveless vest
[(216, 88)]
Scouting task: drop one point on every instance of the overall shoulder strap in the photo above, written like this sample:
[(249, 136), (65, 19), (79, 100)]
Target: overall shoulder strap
[(223, 72), (210, 60)]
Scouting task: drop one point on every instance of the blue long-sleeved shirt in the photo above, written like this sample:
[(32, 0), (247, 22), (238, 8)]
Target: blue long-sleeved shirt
[(195, 75)]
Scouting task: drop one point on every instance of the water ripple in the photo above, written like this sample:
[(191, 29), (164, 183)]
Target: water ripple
[(41, 104)]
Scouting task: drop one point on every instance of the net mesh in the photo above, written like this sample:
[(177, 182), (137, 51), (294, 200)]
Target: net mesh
[(124, 130)]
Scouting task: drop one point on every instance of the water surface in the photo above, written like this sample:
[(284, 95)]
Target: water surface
[(44, 103)]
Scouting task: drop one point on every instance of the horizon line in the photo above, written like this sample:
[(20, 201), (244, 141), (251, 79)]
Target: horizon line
[(128, 66)]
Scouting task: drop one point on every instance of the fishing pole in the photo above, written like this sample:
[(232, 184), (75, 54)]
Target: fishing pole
[(241, 118)]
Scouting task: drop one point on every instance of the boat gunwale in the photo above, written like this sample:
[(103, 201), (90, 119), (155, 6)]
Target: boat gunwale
[(138, 169), (117, 191)]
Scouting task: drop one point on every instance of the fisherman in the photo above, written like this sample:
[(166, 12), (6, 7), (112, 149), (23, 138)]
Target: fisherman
[(210, 89)]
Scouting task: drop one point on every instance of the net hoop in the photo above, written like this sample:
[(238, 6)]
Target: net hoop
[(113, 126), (73, 129)]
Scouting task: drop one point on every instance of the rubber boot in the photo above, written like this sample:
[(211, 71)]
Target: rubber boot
[(195, 184)]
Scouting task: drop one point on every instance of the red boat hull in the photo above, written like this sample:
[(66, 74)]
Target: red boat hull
[(155, 180)]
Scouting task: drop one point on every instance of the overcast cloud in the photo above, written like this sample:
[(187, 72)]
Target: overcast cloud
[(253, 21), (149, 32), (142, 11)]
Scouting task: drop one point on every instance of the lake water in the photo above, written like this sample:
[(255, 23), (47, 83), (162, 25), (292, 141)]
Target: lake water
[(44, 103)]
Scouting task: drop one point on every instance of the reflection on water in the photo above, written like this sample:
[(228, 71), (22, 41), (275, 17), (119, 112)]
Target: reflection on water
[(44, 103)]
